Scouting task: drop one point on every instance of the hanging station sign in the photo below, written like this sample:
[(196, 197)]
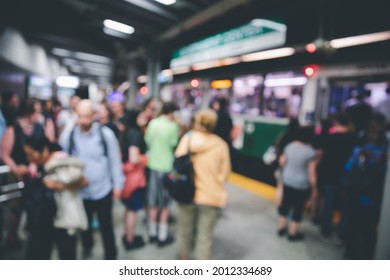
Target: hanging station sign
[(259, 34)]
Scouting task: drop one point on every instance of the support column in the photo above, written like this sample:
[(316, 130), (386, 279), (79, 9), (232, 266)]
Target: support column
[(154, 67), (382, 251), (132, 78)]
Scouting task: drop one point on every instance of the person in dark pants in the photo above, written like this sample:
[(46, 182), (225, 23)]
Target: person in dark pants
[(97, 147), (41, 207)]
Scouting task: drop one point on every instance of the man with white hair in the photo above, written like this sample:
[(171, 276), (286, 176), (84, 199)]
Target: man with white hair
[(98, 148)]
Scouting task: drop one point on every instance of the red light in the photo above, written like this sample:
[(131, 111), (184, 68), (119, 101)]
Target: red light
[(194, 83), (311, 48), (309, 71), (143, 90)]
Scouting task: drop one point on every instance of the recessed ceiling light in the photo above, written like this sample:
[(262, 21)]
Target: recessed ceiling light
[(167, 2), (117, 26)]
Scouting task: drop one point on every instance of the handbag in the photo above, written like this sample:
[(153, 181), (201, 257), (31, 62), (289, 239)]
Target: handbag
[(134, 176), (70, 213), (180, 181)]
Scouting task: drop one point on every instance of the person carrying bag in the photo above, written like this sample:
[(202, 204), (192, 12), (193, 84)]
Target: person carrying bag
[(210, 160)]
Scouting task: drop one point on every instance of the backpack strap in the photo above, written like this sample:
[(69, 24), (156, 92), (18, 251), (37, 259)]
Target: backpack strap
[(72, 146)]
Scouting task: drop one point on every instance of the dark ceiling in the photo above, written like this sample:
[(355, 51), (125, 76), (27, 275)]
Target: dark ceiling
[(78, 24)]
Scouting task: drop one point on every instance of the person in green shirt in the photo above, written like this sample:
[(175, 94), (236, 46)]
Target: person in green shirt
[(162, 135)]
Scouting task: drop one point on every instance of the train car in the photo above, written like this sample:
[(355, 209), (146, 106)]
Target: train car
[(261, 104)]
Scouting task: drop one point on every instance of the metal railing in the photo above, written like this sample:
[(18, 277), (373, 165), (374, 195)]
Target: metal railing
[(9, 191)]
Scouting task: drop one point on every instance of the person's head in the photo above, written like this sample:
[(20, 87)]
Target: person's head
[(221, 104), (10, 99), (343, 120), (168, 108), (117, 108), (205, 120), (293, 125), (305, 135), (73, 102), (30, 109), (85, 113), (104, 113), (149, 104), (39, 149)]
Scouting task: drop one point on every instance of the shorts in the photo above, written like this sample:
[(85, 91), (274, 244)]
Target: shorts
[(136, 201), (156, 194)]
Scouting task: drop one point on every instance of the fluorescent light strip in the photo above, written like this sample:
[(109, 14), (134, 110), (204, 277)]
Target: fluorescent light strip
[(360, 40), (298, 81), (180, 70), (117, 26), (230, 60), (68, 81), (270, 54), (166, 2), (61, 52), (206, 65), (92, 57)]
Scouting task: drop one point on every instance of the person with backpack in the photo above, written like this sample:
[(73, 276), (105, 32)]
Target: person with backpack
[(97, 147), (364, 181), (211, 166)]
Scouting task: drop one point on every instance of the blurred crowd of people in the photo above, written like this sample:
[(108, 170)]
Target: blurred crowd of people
[(337, 168), (76, 161)]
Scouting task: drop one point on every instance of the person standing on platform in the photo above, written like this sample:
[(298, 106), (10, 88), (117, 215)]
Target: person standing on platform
[(162, 135), (211, 163), (298, 163), (97, 147)]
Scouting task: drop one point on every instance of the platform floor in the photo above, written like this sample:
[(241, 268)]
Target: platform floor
[(246, 231)]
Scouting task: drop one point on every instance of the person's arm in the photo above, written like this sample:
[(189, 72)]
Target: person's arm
[(50, 130), (182, 148), (225, 168), (312, 172), (134, 154), (7, 145), (282, 160), (115, 161), (54, 185)]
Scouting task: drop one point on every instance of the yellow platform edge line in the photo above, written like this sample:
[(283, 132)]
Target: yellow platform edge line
[(260, 189)]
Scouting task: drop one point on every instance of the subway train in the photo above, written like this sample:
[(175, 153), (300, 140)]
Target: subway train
[(259, 102)]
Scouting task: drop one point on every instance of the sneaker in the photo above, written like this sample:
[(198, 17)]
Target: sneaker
[(165, 242), (282, 232), (138, 242), (153, 239), (296, 237)]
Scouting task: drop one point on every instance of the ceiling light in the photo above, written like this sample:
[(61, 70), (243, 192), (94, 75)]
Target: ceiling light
[(92, 57), (206, 65), (263, 55), (61, 52), (166, 2), (117, 26), (142, 79), (360, 40), (68, 82), (181, 70)]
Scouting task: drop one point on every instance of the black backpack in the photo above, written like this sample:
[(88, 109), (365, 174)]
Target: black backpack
[(180, 181)]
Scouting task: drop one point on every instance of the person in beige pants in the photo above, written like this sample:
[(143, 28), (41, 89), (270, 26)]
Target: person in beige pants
[(211, 163)]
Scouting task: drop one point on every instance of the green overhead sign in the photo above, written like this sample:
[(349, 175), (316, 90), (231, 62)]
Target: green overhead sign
[(258, 35)]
